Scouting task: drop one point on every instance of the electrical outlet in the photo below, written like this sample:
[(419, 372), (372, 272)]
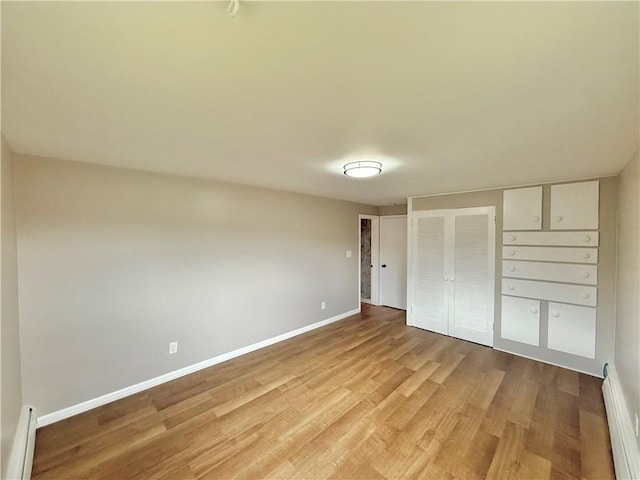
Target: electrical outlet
[(173, 348), (323, 305), (636, 425), (348, 253)]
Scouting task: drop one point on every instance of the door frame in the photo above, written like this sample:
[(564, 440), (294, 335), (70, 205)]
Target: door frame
[(375, 258)]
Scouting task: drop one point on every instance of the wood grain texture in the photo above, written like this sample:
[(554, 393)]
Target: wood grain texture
[(364, 398)]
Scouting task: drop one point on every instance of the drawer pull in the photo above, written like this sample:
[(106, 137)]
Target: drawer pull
[(511, 252), (511, 287), (512, 237), (584, 295), (512, 269), (535, 219), (533, 310), (586, 238), (585, 275), (555, 313), (585, 255), (558, 218)]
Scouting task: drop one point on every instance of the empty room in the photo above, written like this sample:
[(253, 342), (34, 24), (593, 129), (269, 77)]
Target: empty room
[(320, 239)]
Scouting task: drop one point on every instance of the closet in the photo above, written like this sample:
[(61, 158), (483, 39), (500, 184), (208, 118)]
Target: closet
[(453, 272)]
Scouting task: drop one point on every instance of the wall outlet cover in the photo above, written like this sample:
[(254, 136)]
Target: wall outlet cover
[(173, 348)]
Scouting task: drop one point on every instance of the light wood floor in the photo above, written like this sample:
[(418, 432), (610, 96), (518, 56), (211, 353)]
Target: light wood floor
[(366, 397)]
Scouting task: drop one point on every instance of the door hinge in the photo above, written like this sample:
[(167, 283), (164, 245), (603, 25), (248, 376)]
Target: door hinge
[(494, 219)]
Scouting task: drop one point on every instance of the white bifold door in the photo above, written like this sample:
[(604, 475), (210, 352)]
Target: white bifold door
[(453, 272)]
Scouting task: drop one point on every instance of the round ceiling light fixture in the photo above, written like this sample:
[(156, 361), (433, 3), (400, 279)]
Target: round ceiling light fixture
[(362, 169)]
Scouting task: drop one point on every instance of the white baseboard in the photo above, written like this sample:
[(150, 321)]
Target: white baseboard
[(592, 374), (21, 459), (626, 457), (167, 377)]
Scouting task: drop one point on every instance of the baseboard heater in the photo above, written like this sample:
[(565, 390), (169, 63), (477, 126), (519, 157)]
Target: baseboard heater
[(623, 442), (21, 459)]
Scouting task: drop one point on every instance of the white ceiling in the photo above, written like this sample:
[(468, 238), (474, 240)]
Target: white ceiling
[(452, 96)]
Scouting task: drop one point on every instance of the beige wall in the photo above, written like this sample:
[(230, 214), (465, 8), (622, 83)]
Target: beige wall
[(115, 264), (627, 359), (392, 210), (606, 273), (11, 388)]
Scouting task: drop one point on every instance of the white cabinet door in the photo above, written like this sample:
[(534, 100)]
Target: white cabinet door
[(574, 206), (522, 209), (521, 320), (572, 329), (429, 287), (472, 277)]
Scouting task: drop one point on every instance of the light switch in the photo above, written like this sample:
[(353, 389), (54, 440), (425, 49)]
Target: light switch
[(348, 253)]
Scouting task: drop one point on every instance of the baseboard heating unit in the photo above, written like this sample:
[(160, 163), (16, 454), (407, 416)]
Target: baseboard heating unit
[(21, 459), (623, 441)]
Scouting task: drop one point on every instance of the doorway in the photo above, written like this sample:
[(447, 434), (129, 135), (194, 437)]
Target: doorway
[(369, 229)]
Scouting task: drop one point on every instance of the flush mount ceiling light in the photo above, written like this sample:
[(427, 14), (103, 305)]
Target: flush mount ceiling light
[(362, 169)]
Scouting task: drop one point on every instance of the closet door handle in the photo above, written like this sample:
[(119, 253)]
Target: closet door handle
[(585, 255), (586, 238), (511, 252), (446, 279), (384, 265), (533, 310), (512, 269), (512, 237), (555, 314), (585, 275), (452, 279), (511, 287), (535, 219), (558, 218)]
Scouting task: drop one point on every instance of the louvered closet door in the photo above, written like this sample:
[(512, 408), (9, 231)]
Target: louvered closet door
[(472, 276), (430, 299)]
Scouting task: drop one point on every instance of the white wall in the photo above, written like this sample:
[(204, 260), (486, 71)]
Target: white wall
[(11, 388), (627, 356), (114, 264)]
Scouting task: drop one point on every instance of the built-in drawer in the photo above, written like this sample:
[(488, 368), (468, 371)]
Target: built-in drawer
[(521, 320), (556, 292), (553, 272), (551, 254), (572, 329), (559, 239)]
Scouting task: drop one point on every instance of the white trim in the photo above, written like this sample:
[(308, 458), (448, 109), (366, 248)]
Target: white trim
[(508, 187), (21, 459), (517, 354), (626, 457), (167, 377), (409, 315)]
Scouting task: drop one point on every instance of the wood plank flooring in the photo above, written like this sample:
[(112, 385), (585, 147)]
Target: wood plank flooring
[(363, 398)]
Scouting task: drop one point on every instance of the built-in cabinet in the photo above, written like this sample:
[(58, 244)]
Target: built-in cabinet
[(452, 272), (551, 275)]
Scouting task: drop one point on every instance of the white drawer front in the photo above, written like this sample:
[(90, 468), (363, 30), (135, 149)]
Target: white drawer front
[(568, 239), (521, 320), (557, 292), (551, 254), (552, 272), (572, 329)]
